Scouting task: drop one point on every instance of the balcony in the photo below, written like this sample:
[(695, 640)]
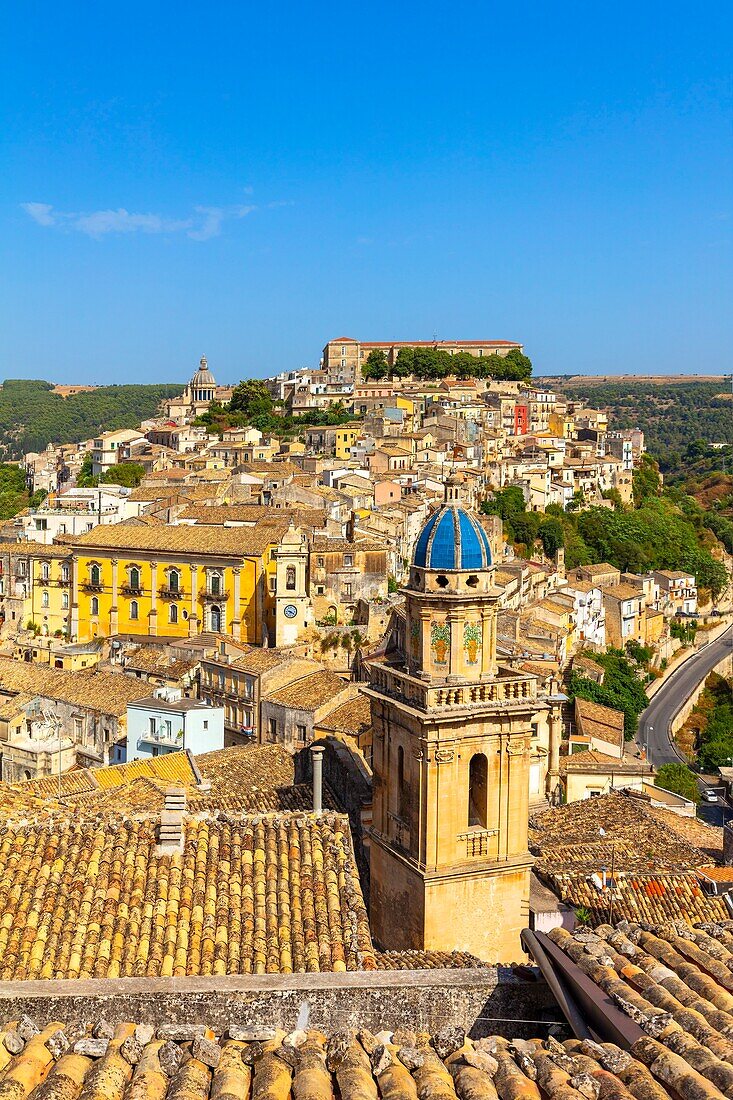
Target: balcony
[(131, 590), (501, 693), (214, 597), (162, 737), (167, 593), (64, 582), (87, 586)]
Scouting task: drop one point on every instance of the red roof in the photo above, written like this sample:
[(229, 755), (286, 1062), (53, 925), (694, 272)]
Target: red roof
[(438, 343)]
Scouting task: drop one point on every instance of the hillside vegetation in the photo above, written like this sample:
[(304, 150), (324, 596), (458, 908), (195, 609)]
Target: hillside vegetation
[(32, 416), (660, 530), (671, 416)]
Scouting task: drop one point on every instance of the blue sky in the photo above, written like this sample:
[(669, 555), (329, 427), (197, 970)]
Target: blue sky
[(248, 181)]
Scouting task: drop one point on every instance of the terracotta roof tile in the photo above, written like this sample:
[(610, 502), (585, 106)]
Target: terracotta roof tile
[(219, 542), (105, 905), (310, 692), (353, 1065)]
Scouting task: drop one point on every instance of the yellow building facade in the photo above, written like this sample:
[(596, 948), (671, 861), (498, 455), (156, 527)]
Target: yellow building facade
[(175, 582)]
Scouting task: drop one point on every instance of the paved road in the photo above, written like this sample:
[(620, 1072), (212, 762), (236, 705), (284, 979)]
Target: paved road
[(654, 722)]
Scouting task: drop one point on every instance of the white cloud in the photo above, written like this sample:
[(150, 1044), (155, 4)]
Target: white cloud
[(206, 221), (102, 222), (41, 212)]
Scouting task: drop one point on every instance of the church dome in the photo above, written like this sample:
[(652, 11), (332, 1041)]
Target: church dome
[(203, 376), (452, 539)]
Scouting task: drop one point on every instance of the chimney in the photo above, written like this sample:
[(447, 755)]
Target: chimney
[(728, 844), (317, 752), (170, 827)]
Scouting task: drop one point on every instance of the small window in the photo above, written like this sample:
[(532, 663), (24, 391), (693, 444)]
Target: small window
[(273, 729), (321, 562), (95, 574), (173, 613), (151, 725), (65, 601), (64, 571), (94, 606), (206, 724), (348, 559), (135, 578), (290, 578), (320, 590), (174, 583), (442, 581), (45, 570), (472, 581), (347, 591), (215, 584), (134, 609), (44, 599), (302, 732)]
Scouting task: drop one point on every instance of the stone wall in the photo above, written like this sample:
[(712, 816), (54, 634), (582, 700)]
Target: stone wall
[(723, 668), (495, 1000)]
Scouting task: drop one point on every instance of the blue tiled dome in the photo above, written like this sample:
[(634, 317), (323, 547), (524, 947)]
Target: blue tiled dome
[(452, 539)]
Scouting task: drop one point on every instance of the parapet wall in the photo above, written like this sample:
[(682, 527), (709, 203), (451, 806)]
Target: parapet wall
[(490, 1001), (723, 668)]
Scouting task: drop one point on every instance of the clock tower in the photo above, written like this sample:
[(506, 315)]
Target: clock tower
[(449, 861), (293, 610)]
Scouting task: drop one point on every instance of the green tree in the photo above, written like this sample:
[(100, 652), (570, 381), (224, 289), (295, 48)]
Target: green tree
[(621, 688), (129, 474), (646, 481), (85, 478), (376, 366), (252, 398), (680, 780), (552, 534), (505, 503)]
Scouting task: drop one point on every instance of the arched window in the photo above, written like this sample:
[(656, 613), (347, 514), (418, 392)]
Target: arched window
[(478, 776), (44, 599), (401, 800), (65, 601), (173, 613), (290, 578), (45, 570), (95, 575), (134, 609), (135, 578), (215, 584), (174, 580), (94, 606), (64, 572), (215, 620)]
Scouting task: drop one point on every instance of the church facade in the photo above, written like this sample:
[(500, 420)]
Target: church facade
[(450, 865)]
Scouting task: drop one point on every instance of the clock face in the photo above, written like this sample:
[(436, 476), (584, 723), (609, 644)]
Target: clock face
[(290, 611)]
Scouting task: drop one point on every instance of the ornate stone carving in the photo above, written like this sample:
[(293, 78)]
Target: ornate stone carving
[(516, 748), (444, 756)]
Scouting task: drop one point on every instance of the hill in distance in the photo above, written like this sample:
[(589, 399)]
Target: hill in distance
[(32, 415)]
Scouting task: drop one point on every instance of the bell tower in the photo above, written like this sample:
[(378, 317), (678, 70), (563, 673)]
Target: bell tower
[(292, 604), (452, 731)]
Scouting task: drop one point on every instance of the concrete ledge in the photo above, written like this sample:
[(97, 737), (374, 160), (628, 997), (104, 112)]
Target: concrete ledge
[(487, 1001)]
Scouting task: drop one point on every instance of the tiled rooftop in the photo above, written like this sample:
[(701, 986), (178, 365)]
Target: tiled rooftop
[(218, 542), (654, 865), (676, 983), (262, 1063), (249, 894), (311, 692), (107, 692)]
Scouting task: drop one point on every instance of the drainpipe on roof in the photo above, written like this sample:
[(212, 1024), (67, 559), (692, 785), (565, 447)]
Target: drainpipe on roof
[(317, 752), (568, 1006)]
